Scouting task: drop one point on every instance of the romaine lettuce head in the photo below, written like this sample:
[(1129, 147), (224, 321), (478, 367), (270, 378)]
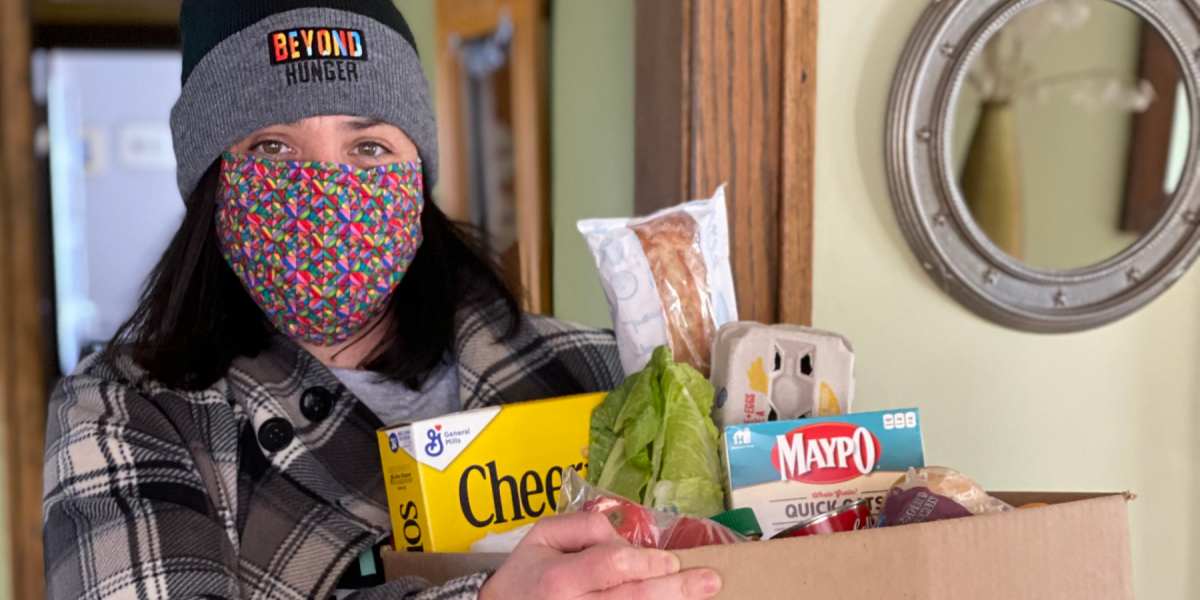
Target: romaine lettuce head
[(653, 440)]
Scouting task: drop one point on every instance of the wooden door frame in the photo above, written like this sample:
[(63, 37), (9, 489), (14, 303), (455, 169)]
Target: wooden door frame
[(726, 93), (110, 12), (22, 379), (464, 19)]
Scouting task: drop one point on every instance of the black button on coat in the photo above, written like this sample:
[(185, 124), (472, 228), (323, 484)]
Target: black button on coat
[(275, 434), (316, 403)]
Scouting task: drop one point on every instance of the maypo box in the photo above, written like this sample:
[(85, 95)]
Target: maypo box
[(453, 479), (793, 471), (1078, 547)]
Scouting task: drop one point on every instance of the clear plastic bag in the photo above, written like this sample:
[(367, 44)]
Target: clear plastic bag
[(501, 542), (640, 525), (936, 494), (668, 280)]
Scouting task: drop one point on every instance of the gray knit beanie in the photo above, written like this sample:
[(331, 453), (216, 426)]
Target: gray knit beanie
[(250, 64)]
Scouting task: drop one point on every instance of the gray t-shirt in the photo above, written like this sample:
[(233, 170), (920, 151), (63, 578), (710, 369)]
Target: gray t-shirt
[(394, 403)]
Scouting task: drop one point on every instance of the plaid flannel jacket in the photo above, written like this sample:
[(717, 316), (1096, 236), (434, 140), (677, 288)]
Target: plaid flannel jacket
[(152, 493)]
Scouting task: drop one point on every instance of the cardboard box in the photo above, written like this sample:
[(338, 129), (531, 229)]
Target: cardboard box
[(453, 479), (1076, 548)]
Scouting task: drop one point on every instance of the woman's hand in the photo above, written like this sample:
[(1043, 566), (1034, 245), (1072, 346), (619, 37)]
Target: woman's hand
[(580, 556)]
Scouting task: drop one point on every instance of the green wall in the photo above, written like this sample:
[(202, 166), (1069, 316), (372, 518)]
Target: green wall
[(591, 53), (422, 20), (1112, 409), (591, 132), (1072, 159)]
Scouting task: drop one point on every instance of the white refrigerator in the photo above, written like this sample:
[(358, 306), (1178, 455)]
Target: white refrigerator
[(114, 201)]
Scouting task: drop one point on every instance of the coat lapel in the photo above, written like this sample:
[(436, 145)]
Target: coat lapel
[(319, 499), (335, 458)]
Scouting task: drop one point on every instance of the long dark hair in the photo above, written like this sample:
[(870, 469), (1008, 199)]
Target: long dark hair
[(195, 317)]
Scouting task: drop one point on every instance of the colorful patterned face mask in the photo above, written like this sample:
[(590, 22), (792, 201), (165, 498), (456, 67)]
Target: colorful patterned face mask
[(319, 246)]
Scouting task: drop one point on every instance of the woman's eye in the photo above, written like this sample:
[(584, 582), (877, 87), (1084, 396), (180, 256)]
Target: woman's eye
[(271, 147), (371, 149)]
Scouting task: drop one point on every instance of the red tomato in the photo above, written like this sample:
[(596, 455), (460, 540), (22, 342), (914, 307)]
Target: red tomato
[(632, 521), (689, 532)]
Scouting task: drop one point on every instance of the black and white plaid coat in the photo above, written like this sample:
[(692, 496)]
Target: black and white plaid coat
[(152, 493)]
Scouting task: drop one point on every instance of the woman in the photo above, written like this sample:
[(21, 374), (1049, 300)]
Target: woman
[(224, 446)]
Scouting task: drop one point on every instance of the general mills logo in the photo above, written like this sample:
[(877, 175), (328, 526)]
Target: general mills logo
[(742, 437), (394, 442), (434, 447)]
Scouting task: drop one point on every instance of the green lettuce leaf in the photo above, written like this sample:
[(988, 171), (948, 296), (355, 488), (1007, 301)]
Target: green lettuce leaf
[(642, 415), (689, 478), (702, 394), (656, 452), (622, 477), (602, 429)]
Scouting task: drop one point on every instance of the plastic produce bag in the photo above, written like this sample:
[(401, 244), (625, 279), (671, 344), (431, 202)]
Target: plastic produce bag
[(639, 525), (668, 280), (501, 542), (936, 494)]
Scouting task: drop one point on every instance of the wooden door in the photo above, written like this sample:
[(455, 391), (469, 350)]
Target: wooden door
[(726, 91), (23, 369), (22, 378), (520, 89)]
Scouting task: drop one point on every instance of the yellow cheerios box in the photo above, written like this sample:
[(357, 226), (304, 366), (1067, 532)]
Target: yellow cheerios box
[(453, 479)]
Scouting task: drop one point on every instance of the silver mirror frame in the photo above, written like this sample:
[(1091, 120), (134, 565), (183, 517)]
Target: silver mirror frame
[(939, 227)]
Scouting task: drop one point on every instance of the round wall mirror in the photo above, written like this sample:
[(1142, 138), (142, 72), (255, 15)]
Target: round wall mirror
[(1042, 155)]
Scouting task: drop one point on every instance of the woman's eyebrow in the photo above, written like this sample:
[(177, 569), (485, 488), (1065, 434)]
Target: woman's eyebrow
[(361, 124)]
